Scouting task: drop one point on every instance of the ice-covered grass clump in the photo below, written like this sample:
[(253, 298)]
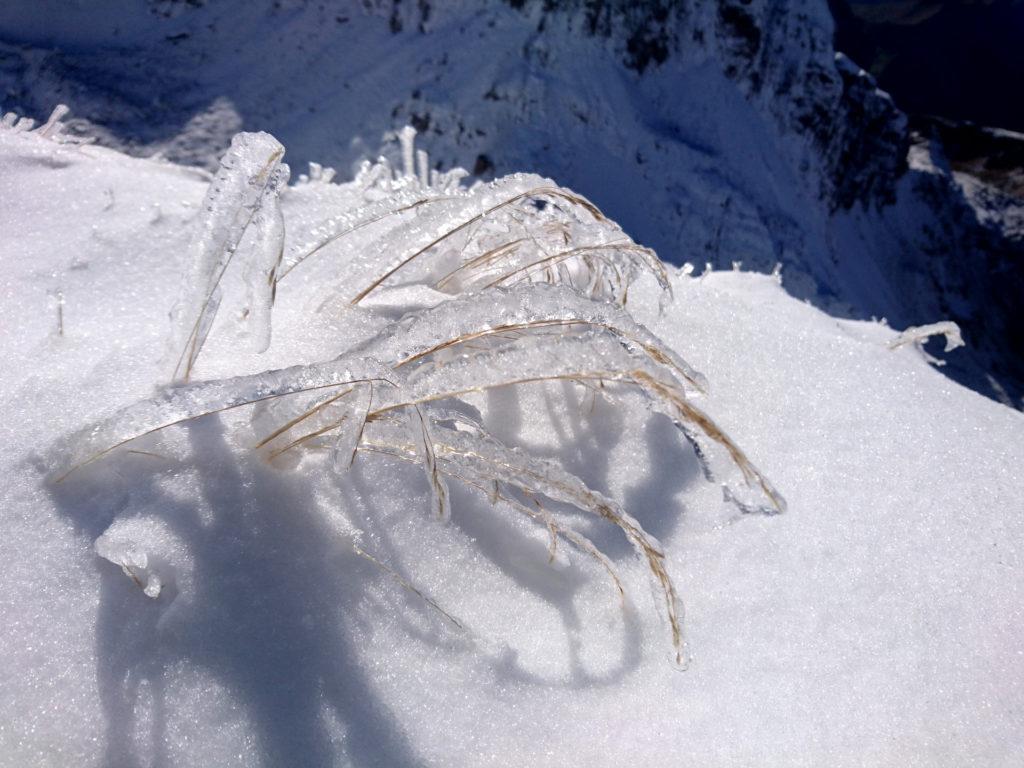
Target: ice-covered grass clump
[(517, 283)]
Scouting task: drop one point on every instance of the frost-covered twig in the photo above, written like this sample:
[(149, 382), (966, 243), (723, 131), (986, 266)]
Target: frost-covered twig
[(920, 333)]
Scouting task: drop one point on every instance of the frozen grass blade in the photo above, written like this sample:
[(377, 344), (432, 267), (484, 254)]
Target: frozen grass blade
[(522, 309), (177, 405), (405, 584), (423, 440), (465, 454), (237, 194)]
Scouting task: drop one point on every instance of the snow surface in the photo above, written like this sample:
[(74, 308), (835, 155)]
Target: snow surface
[(878, 621)]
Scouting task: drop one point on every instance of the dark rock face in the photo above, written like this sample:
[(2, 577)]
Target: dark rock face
[(961, 60), (870, 152)]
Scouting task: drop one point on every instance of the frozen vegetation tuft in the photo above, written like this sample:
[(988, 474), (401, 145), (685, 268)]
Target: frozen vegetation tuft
[(526, 285)]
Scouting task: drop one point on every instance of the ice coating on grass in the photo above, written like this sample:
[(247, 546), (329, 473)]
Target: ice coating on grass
[(462, 418), (330, 231), (495, 314), (587, 356), (350, 428), (481, 461), (520, 228), (505, 291), (283, 426), (451, 215), (261, 267), (595, 358), (177, 404), (921, 333), (420, 433), (245, 181)]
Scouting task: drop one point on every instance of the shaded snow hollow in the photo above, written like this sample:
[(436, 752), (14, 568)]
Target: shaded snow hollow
[(878, 621)]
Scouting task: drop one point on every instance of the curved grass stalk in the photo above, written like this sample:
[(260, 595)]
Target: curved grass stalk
[(657, 354), (511, 466), (690, 413), (669, 399), (178, 405), (490, 489), (524, 308), (547, 191), (542, 334), (406, 584), (371, 218), (485, 259), (549, 261)]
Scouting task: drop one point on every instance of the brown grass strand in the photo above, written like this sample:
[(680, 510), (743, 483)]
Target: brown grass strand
[(535, 192)]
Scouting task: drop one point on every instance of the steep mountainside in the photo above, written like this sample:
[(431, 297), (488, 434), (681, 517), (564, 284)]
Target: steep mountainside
[(714, 132)]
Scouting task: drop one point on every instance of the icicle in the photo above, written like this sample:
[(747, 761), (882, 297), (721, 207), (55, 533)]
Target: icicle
[(422, 439), (350, 431), (53, 127), (235, 196), (422, 167), (407, 138), (261, 267)]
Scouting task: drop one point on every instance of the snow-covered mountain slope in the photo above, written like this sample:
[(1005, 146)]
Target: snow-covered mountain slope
[(717, 132), (877, 621)]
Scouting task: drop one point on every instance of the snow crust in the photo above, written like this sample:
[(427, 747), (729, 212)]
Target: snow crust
[(879, 621)]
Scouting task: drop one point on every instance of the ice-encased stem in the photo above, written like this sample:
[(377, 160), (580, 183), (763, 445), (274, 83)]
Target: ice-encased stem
[(178, 404), (522, 309), (422, 439), (262, 266), (588, 357), (921, 333), (235, 196)]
